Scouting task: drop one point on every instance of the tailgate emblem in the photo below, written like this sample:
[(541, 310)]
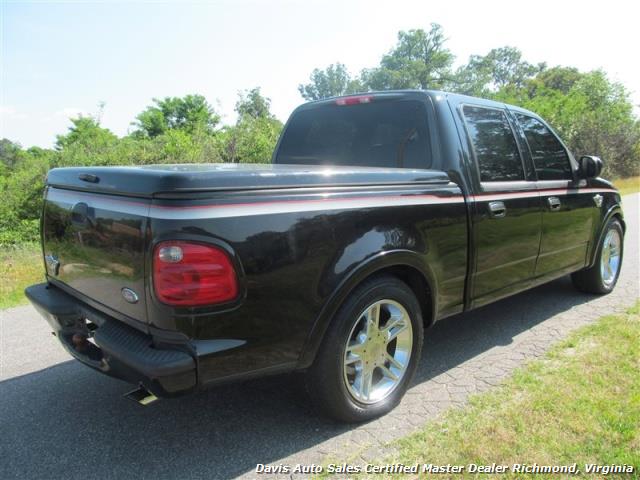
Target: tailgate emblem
[(129, 295)]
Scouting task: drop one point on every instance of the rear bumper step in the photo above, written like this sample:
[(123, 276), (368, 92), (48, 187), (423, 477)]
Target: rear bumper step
[(111, 347)]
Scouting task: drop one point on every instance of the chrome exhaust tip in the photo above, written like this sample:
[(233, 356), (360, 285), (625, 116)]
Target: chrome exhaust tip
[(141, 396)]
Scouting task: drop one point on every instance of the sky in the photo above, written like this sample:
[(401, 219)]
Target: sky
[(60, 59)]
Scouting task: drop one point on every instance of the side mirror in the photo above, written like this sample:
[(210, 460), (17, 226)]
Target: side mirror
[(590, 166)]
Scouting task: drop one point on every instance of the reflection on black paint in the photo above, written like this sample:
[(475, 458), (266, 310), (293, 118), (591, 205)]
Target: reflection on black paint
[(99, 254)]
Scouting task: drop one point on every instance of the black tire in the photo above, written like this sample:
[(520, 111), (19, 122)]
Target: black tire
[(590, 280), (325, 381)]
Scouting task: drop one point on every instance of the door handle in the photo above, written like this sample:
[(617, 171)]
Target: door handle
[(497, 209), (554, 203)]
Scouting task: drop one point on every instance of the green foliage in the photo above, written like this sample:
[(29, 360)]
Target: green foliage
[(20, 266), (173, 130), (556, 78), (252, 140), (86, 133), (592, 114), (191, 114), (330, 82), (10, 154), (419, 60), (21, 191), (253, 137), (500, 68), (252, 104)]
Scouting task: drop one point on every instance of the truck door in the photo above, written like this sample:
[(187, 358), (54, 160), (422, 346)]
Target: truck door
[(567, 213), (506, 212)]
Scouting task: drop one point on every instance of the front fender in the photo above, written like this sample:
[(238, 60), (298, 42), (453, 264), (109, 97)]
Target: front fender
[(376, 263), (613, 210)]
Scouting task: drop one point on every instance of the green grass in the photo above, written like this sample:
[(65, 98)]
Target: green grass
[(20, 267), (628, 185), (580, 403)]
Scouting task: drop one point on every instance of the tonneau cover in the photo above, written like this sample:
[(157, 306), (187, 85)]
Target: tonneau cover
[(148, 180)]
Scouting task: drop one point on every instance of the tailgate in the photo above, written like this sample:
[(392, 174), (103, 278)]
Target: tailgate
[(94, 243)]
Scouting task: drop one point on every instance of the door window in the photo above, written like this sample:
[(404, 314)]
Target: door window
[(494, 145), (549, 156)]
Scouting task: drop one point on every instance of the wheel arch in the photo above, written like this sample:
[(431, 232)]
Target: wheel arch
[(405, 265), (615, 211)]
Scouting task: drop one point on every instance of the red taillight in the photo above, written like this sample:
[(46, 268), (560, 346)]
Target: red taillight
[(355, 100), (193, 274)]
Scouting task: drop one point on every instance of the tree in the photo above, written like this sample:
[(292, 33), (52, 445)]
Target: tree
[(507, 67), (501, 68), (191, 114), (557, 78), (603, 124), (333, 81), (419, 60), (86, 132), (253, 138), (593, 115), (21, 191), (10, 154), (252, 104)]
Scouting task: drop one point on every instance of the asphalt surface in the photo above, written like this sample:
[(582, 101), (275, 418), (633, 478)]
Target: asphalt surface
[(60, 419)]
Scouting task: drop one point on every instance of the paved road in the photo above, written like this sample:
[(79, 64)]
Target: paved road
[(59, 419)]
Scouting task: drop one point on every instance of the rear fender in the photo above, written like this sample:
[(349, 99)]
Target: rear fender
[(375, 264)]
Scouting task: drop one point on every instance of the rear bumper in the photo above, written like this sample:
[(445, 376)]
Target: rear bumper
[(113, 348)]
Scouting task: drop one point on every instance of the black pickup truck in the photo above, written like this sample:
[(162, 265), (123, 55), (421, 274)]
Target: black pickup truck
[(379, 215)]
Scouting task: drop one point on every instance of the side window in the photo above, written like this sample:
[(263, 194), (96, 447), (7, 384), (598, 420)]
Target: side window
[(549, 156), (495, 147)]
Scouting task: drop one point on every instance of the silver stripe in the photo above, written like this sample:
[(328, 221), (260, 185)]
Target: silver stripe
[(134, 207), (537, 193), (245, 210), (101, 202)]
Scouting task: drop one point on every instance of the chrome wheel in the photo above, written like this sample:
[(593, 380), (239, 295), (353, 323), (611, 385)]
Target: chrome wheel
[(610, 257), (378, 351)]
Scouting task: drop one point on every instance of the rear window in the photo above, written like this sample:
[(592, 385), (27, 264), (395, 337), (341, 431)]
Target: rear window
[(383, 134)]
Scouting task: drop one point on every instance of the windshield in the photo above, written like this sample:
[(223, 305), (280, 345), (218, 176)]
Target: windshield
[(383, 134)]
